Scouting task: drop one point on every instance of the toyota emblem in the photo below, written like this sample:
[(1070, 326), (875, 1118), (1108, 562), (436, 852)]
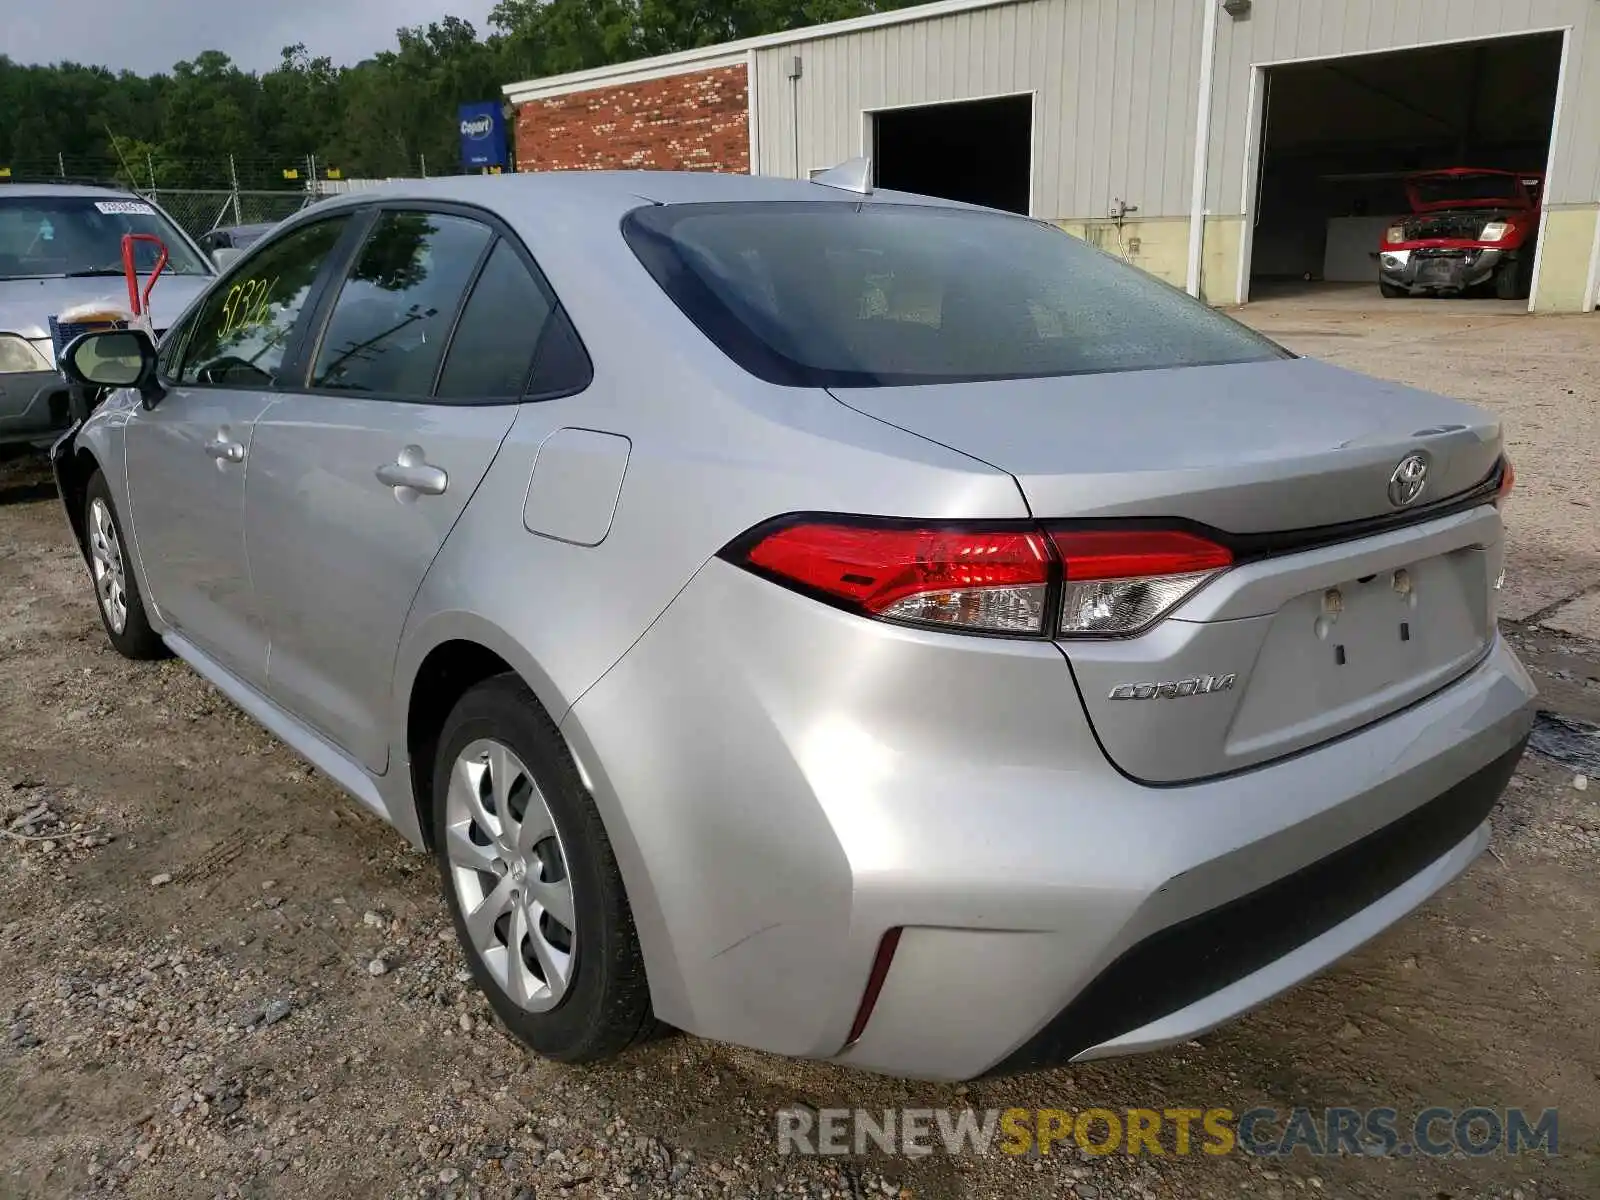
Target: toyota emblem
[(1409, 480)]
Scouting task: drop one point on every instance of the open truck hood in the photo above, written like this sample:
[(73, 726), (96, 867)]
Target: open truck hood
[(1247, 448), (1518, 190)]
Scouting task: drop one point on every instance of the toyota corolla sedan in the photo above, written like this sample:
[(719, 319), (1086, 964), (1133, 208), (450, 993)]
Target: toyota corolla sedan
[(842, 623)]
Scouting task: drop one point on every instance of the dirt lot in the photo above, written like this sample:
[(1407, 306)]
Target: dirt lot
[(187, 944)]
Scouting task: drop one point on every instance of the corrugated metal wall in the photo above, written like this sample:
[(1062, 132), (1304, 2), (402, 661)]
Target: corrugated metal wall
[(1114, 83), (1279, 30)]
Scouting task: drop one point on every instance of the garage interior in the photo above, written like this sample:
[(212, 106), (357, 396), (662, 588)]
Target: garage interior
[(1340, 136), (976, 151)]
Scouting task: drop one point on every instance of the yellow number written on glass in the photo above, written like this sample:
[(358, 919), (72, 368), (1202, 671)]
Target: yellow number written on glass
[(247, 303)]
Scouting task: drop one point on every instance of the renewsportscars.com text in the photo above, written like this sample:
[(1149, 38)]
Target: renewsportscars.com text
[(1178, 1132)]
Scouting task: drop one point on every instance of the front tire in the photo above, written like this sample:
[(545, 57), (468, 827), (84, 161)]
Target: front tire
[(116, 590), (531, 881), (1391, 291), (1511, 282)]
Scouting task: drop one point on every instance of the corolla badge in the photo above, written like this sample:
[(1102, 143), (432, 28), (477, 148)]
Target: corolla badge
[(1175, 689), (1409, 480)]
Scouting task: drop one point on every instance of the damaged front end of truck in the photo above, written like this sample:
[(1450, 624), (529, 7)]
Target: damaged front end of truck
[(1469, 228)]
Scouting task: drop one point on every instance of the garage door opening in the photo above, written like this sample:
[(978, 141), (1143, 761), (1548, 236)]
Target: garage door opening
[(1341, 137), (976, 151)]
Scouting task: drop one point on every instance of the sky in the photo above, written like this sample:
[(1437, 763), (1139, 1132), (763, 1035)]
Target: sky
[(150, 35)]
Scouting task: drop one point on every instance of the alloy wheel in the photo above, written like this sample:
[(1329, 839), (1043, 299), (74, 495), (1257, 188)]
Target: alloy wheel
[(105, 557), (510, 875)]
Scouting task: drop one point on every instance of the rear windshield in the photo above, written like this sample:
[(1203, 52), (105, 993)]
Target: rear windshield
[(831, 294)]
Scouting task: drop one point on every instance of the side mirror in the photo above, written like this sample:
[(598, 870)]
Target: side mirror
[(115, 358), (223, 255)]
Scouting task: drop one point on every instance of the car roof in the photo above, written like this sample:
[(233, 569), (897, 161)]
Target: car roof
[(35, 191), (611, 190), (570, 222)]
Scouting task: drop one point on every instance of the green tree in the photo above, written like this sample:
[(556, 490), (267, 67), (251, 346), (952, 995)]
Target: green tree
[(380, 117)]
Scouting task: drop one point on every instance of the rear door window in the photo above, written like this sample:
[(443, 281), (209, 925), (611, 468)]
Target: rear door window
[(387, 332)]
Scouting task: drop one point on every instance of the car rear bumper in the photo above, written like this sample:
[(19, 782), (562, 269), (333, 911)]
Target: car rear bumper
[(784, 783), (1192, 976), (1440, 270), (34, 407)]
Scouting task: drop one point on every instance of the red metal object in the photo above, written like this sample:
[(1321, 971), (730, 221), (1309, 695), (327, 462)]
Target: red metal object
[(137, 301)]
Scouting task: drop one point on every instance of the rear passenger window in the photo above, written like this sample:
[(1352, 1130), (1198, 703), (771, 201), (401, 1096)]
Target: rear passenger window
[(563, 367), (494, 344), (388, 328)]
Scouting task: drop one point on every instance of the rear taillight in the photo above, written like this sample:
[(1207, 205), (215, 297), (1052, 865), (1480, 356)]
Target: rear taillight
[(1119, 582), (1005, 580), (1508, 480), (990, 580)]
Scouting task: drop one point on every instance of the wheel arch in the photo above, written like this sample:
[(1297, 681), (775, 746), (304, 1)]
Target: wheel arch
[(452, 652), (73, 471), (440, 659)]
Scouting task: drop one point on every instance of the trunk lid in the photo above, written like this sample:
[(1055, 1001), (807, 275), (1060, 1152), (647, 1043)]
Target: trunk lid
[(1250, 448), (1321, 634)]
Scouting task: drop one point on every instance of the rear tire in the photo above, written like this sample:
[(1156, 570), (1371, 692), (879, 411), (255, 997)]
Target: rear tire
[(523, 858), (117, 596), (1391, 291)]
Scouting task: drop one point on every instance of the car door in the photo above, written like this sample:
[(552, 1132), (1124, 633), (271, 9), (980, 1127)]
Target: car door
[(357, 479), (188, 457)]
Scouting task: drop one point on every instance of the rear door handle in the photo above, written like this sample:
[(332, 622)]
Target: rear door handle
[(411, 471), (224, 450)]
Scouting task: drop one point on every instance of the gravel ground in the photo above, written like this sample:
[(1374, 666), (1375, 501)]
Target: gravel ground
[(221, 978)]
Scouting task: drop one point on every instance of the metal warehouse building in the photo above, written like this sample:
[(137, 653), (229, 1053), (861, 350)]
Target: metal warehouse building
[(1220, 144)]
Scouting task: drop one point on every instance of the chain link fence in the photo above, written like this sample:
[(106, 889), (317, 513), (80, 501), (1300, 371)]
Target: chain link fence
[(200, 210), (202, 194)]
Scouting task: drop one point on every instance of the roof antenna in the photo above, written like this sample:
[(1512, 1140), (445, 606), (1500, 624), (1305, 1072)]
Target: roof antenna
[(852, 176)]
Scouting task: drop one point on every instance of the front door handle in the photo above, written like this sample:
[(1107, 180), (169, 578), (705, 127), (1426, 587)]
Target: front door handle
[(410, 475), (225, 450)]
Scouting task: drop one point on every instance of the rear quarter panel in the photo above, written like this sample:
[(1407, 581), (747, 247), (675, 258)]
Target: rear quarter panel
[(713, 451), (704, 466)]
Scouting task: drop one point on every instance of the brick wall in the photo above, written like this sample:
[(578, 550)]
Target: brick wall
[(693, 122)]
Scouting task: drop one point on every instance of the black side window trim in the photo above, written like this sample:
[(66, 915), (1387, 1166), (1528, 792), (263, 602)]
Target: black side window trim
[(297, 364), (312, 340), (461, 309), (559, 324), (335, 263)]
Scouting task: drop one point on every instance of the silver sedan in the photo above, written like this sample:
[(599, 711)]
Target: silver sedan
[(842, 623)]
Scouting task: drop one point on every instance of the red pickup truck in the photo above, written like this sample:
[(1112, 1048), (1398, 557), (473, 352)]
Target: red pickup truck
[(1468, 227)]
